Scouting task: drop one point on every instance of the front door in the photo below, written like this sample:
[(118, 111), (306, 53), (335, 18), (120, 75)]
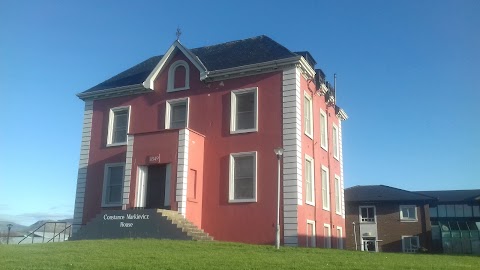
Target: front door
[(369, 244), (156, 187)]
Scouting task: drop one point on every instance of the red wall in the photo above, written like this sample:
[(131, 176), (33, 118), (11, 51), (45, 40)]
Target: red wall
[(312, 148)]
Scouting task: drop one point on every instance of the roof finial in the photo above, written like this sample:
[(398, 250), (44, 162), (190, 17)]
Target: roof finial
[(178, 33)]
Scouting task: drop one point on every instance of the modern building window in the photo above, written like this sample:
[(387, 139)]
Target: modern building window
[(309, 180), (244, 116), (308, 115), (176, 113), (367, 213), (336, 152), (327, 238), (323, 130), (178, 76), (338, 195), (325, 189), (113, 184), (311, 236), (118, 126), (410, 244), (243, 177), (339, 237), (408, 213)]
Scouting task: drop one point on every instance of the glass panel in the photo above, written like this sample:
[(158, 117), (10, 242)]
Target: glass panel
[(459, 210), (467, 210), (115, 175), (433, 211), (463, 226), (308, 180), (444, 227), (323, 127), (115, 194), (324, 188), (245, 111), (335, 142), (243, 179), (450, 210), (476, 210), (472, 226), (442, 211), (307, 108), (120, 123), (178, 115), (454, 226)]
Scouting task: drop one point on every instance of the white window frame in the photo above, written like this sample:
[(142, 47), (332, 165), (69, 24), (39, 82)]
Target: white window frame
[(313, 242), (327, 239), (231, 189), (325, 189), (111, 119), (168, 110), (408, 219), (374, 214), (308, 115), (171, 76), (335, 142), (339, 237), (404, 248), (106, 181), (323, 130), (338, 195), (311, 183), (233, 110)]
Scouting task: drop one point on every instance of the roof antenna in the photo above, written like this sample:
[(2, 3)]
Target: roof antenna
[(178, 33)]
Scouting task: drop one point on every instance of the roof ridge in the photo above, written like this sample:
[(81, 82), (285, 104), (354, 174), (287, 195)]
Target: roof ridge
[(232, 42)]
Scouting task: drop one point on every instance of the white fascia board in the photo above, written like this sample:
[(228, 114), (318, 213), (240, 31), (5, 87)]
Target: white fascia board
[(114, 92), (148, 83)]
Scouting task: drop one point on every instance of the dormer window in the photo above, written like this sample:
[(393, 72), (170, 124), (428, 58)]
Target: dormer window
[(178, 76)]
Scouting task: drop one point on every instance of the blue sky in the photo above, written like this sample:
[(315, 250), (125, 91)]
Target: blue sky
[(408, 76)]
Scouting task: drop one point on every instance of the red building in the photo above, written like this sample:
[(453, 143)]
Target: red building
[(194, 131)]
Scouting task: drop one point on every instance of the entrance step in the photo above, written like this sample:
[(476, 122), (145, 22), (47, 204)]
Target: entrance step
[(186, 226), (141, 223)]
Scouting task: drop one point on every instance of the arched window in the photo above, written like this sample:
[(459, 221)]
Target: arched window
[(178, 76)]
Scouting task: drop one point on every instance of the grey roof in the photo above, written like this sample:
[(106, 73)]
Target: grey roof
[(221, 56), (381, 193), (453, 195)]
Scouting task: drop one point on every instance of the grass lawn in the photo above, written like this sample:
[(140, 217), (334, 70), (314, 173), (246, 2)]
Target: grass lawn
[(166, 254)]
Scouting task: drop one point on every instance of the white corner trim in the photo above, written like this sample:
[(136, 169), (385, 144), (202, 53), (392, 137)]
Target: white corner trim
[(292, 155), (342, 182), (182, 170), (128, 172), (83, 166), (149, 81)]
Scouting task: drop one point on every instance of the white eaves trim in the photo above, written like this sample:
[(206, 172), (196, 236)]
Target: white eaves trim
[(148, 83), (114, 92)]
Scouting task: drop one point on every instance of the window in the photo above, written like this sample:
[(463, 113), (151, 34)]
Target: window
[(325, 189), (244, 111), (176, 114), (408, 213), (323, 130), (367, 213), (339, 237), (309, 180), (327, 239), (410, 244), (311, 241), (113, 184), (338, 195), (335, 142), (307, 106), (243, 174), (118, 126), (178, 76)]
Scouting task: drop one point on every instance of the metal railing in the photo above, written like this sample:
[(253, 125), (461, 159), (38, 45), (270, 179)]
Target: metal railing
[(55, 234)]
